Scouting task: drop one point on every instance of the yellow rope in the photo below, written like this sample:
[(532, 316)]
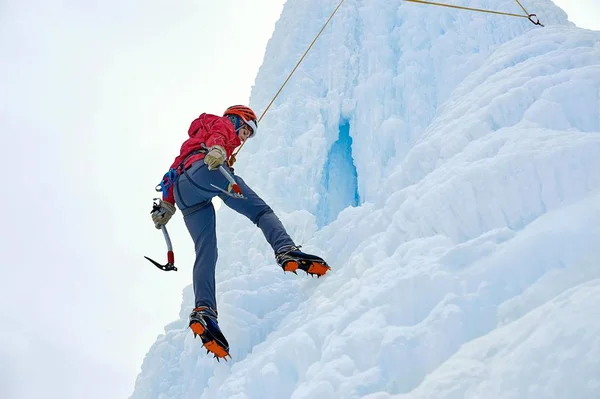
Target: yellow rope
[(232, 159), (470, 8), (298, 64), (523, 8)]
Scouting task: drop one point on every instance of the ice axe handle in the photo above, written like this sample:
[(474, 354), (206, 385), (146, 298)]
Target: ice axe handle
[(170, 253), (168, 240), (170, 265), (234, 186)]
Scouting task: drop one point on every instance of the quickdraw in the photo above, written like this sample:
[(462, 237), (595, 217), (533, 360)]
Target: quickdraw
[(167, 181)]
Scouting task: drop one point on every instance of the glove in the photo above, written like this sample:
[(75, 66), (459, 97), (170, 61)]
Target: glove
[(163, 214), (215, 157)]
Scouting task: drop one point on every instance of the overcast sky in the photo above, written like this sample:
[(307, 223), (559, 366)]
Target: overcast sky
[(96, 99), (584, 13)]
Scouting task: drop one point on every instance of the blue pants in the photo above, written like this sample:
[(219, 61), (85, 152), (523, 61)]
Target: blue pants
[(193, 194)]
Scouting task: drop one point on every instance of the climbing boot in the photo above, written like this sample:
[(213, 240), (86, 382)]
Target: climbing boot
[(203, 322), (291, 259)]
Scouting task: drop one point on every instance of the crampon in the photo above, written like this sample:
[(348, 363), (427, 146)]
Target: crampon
[(293, 259), (203, 323)]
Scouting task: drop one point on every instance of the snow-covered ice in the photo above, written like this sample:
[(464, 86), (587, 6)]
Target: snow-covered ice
[(447, 165)]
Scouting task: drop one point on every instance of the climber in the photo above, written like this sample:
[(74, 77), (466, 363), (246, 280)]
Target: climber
[(191, 183)]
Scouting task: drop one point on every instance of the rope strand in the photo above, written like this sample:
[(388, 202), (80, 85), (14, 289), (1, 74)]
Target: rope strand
[(531, 17), (523, 8), (468, 8), (232, 159)]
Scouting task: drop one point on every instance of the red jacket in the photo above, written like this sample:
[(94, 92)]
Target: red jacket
[(210, 130)]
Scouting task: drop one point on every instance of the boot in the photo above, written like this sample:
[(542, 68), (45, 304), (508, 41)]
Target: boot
[(292, 259), (203, 322)]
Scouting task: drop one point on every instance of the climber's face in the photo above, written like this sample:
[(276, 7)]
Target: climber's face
[(244, 132)]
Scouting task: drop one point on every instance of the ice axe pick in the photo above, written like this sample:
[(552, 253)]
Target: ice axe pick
[(170, 265)]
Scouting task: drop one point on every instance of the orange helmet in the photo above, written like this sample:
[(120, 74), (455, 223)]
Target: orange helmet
[(246, 114)]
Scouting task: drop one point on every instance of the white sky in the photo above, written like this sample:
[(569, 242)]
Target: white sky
[(96, 99), (584, 13), (100, 96)]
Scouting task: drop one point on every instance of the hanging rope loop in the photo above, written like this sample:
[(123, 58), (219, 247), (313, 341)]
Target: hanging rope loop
[(301, 59), (522, 8), (467, 8), (531, 17), (232, 159)]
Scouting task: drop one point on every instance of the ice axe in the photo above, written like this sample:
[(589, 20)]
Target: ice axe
[(170, 265), (237, 191)]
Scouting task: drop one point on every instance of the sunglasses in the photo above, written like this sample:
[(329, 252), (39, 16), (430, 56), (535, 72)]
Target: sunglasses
[(252, 125)]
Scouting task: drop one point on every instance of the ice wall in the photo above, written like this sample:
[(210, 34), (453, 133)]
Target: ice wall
[(465, 260)]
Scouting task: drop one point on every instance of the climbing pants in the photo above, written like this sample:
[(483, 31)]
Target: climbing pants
[(193, 194)]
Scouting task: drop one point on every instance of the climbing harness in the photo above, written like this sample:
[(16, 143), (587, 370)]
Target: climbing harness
[(171, 176), (169, 180), (532, 17)]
